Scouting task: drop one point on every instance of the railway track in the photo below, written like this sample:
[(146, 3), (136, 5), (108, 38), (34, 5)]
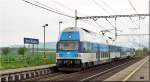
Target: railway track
[(98, 73)]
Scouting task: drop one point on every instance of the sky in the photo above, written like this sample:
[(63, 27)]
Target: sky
[(19, 19)]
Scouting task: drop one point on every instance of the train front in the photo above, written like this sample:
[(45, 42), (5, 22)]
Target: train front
[(67, 54)]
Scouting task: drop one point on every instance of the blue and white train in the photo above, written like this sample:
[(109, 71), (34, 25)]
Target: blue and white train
[(78, 48)]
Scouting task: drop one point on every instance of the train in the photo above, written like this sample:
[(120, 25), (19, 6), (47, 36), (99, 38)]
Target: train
[(78, 49)]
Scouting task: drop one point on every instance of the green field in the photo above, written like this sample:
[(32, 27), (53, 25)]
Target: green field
[(12, 60)]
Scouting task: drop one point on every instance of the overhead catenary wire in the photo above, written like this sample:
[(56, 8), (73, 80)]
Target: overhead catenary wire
[(110, 22), (108, 12), (101, 6), (135, 9), (132, 6), (62, 5), (53, 9), (108, 6), (46, 6), (133, 21), (98, 24), (139, 17), (68, 8), (73, 10), (114, 10), (48, 9)]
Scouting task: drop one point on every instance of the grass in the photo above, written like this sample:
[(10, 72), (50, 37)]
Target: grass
[(12, 61)]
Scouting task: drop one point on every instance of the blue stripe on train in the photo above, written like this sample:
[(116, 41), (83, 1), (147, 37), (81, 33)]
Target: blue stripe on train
[(70, 36), (68, 54)]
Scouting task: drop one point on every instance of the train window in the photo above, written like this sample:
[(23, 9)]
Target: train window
[(69, 45), (107, 54), (86, 46), (99, 54), (96, 55), (89, 47), (103, 54)]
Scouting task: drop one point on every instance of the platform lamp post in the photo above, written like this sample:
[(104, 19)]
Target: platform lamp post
[(44, 37), (59, 26)]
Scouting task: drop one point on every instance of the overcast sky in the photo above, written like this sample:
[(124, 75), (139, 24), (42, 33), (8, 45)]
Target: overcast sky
[(19, 19)]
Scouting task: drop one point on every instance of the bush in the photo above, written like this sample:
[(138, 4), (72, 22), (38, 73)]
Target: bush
[(5, 50), (22, 51)]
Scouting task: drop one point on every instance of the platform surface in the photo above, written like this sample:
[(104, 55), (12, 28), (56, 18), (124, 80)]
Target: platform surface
[(142, 74), (25, 69), (139, 71)]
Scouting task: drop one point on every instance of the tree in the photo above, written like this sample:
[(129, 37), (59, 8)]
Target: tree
[(5, 50), (145, 51), (22, 51), (142, 52)]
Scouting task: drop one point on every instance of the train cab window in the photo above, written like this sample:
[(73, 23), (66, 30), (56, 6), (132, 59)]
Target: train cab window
[(69, 45)]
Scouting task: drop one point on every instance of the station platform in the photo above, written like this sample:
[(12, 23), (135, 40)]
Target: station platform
[(139, 71), (10, 71)]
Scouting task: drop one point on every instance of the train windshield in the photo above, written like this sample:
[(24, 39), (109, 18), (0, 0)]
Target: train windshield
[(69, 45)]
